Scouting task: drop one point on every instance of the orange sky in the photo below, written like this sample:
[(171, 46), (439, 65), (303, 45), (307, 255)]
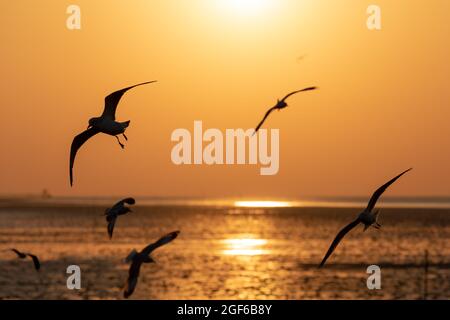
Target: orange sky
[(383, 104)]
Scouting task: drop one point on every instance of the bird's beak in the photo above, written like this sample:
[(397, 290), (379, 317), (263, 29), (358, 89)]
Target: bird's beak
[(89, 126)]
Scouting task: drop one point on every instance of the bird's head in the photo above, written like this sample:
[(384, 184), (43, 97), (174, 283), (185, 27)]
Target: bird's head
[(93, 122)]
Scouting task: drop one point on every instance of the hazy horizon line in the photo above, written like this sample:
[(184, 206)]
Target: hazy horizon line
[(239, 201), (237, 197)]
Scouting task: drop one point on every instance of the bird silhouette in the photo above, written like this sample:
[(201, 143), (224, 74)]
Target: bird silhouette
[(137, 258), (281, 104), (117, 210), (106, 123), (23, 255), (368, 217)]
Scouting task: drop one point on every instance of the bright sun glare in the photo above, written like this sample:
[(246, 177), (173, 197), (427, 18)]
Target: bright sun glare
[(246, 7), (244, 247)]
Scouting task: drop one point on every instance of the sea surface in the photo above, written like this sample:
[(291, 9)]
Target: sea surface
[(226, 250)]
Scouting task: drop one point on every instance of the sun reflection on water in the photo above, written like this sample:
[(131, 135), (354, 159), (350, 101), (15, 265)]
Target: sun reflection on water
[(244, 247)]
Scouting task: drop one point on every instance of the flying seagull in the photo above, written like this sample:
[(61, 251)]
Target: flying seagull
[(281, 104), (117, 210), (368, 217), (137, 258), (106, 123), (23, 255), (301, 57)]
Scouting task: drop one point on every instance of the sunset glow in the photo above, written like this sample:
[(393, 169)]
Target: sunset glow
[(246, 7), (225, 150), (262, 204), (225, 62), (244, 247)]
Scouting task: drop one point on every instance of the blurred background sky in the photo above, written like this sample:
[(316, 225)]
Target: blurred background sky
[(383, 104)]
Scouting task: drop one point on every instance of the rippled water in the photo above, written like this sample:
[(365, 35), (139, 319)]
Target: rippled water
[(224, 252)]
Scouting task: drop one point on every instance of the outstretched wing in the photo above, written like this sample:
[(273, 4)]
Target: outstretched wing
[(377, 194), (37, 264), (264, 119), (111, 222), (133, 275), (77, 142), (338, 239), (162, 241), (112, 100), (19, 254), (294, 92)]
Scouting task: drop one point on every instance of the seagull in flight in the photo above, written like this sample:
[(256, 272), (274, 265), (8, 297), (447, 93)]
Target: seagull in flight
[(106, 123), (301, 57), (368, 217), (137, 258), (281, 104), (117, 210), (23, 255)]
